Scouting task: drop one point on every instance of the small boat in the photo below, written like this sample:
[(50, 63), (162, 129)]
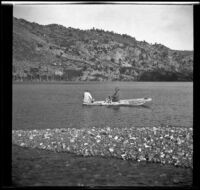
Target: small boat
[(127, 102)]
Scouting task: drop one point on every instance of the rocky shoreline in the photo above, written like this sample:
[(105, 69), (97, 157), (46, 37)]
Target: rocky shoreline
[(165, 145)]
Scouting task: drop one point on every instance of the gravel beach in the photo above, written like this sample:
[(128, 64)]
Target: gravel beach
[(165, 145)]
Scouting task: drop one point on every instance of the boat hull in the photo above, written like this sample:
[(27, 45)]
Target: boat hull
[(127, 102)]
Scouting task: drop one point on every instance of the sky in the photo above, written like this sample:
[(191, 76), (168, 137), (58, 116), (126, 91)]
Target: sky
[(170, 25)]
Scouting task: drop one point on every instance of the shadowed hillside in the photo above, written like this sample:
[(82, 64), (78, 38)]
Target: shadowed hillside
[(54, 52)]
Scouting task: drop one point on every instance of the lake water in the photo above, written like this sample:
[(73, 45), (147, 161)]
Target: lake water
[(40, 106)]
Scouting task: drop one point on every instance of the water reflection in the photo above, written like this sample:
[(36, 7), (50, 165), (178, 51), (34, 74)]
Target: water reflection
[(115, 108), (146, 106), (129, 107)]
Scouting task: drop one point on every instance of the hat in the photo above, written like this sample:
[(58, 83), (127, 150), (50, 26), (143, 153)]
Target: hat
[(116, 89)]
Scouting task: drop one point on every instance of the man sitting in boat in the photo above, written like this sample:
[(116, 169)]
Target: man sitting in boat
[(87, 97), (108, 100), (115, 96)]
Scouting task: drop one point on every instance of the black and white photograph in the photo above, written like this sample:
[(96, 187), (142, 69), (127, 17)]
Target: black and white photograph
[(102, 94)]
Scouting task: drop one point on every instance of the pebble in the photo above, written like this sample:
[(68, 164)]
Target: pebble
[(166, 144)]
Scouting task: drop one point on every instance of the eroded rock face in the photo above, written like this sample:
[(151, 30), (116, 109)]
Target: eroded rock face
[(166, 145), (37, 47)]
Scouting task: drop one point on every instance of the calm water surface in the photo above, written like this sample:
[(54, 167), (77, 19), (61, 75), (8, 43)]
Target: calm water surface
[(40, 106)]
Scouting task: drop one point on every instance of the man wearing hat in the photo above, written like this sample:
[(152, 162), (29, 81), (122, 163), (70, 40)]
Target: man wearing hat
[(87, 97), (115, 96)]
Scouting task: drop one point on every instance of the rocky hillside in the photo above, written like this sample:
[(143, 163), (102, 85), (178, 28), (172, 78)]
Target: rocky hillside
[(54, 52)]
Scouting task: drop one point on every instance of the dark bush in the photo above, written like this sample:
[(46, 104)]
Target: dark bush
[(113, 60), (158, 76), (70, 74), (39, 45)]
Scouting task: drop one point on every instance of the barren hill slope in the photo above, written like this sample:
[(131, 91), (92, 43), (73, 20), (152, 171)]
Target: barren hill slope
[(54, 52)]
